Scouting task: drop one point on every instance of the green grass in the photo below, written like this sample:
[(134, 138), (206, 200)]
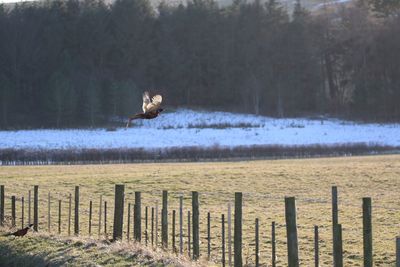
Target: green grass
[(48, 250), (264, 185)]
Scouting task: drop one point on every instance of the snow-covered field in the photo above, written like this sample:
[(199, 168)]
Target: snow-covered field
[(185, 128)]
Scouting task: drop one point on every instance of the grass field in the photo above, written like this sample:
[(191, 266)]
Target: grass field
[(264, 185)]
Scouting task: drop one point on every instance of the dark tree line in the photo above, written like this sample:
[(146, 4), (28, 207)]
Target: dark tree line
[(80, 63)]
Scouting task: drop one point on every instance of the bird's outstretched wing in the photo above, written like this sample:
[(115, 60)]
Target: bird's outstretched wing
[(153, 105), (146, 101)]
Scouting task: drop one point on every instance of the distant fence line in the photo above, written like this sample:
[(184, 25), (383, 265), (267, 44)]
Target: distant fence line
[(168, 227), (128, 155)]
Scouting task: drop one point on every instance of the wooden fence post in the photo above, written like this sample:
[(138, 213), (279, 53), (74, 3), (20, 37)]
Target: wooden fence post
[(105, 219), (257, 245), (238, 231), (13, 218), (146, 232), (173, 232), (316, 246), (367, 232), (398, 251), (59, 216), (48, 213), (229, 235), (164, 219), (76, 218), (69, 213), (273, 241), (22, 212), (129, 221), (90, 218), (181, 224), (29, 207), (335, 221), (100, 205), (338, 246), (223, 239), (188, 242), (118, 211), (152, 226), (156, 227), (138, 217), (195, 221), (1, 205), (291, 232), (208, 235), (35, 207)]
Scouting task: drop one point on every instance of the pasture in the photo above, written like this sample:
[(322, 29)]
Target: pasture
[(264, 185)]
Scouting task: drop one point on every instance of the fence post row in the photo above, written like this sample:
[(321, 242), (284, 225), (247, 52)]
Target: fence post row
[(238, 231), (76, 218), (118, 211), (291, 232), (137, 224), (290, 217), (195, 221), (367, 232), (35, 207)]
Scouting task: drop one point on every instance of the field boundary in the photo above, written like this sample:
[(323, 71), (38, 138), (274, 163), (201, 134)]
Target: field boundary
[(187, 154), (146, 229)]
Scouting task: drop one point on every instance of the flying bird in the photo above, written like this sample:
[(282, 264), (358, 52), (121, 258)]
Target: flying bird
[(151, 108), (20, 232)]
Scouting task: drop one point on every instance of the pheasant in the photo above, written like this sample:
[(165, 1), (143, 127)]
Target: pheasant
[(20, 232), (151, 108)]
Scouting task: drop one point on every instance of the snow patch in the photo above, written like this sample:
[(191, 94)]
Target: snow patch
[(185, 128)]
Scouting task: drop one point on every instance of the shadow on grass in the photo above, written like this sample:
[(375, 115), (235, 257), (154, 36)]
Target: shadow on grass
[(11, 257)]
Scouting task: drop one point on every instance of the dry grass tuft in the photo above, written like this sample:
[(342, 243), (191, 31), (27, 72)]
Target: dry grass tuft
[(54, 250)]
